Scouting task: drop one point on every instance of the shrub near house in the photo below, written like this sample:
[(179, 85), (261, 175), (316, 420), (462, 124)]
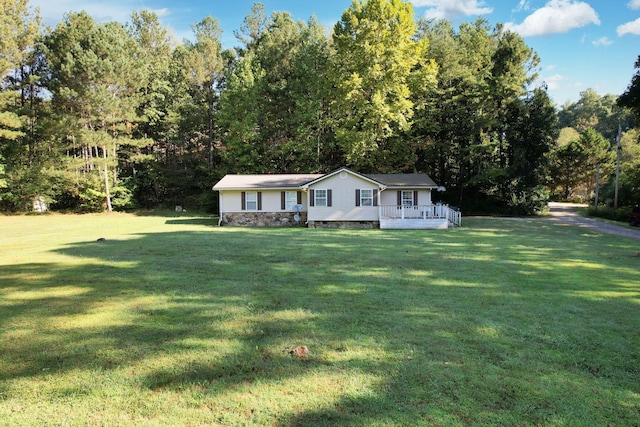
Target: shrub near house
[(634, 217)]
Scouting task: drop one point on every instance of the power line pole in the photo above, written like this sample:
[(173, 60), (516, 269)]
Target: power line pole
[(618, 150)]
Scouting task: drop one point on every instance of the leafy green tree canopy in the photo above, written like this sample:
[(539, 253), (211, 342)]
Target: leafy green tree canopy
[(377, 57), (631, 97)]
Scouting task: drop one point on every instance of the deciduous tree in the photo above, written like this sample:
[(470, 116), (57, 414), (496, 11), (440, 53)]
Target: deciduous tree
[(273, 107), (377, 56), (467, 131)]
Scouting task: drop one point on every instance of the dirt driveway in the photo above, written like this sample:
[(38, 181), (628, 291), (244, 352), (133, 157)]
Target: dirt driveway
[(565, 213)]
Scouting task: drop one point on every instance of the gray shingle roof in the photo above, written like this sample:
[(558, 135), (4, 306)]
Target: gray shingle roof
[(237, 182), (230, 182), (402, 179)]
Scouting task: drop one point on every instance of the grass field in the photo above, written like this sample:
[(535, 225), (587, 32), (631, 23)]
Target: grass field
[(173, 321)]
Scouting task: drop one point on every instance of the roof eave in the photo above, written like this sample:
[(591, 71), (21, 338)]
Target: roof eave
[(297, 187), (397, 187)]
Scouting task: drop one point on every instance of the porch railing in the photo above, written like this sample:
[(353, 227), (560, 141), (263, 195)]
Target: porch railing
[(454, 216)]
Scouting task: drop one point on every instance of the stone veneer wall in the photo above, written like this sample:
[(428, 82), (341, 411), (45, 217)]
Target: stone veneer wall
[(344, 224), (262, 219)]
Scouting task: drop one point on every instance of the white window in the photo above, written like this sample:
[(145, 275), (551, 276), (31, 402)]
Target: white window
[(320, 198), (290, 199), (366, 197), (407, 198), (252, 201)]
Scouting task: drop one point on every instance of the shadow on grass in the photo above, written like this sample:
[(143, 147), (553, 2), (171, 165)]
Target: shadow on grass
[(209, 221), (484, 325)]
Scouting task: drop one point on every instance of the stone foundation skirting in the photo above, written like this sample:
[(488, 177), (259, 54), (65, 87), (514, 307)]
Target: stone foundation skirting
[(262, 219), (344, 224)]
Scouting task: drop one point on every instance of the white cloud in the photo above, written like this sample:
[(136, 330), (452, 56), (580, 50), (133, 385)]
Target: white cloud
[(554, 82), (162, 12), (634, 4), (602, 41), (550, 67), (556, 17), (632, 27), (450, 9), (523, 5)]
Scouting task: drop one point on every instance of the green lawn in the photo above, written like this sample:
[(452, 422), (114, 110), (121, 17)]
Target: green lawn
[(173, 321)]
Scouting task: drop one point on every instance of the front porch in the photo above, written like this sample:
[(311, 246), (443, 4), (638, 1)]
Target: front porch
[(419, 217)]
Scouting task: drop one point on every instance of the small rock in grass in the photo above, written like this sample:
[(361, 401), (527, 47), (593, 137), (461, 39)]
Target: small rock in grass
[(300, 351)]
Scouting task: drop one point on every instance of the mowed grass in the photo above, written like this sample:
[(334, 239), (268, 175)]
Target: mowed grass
[(173, 321)]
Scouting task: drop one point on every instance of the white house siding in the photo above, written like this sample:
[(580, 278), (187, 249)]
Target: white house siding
[(389, 197), (231, 200), (343, 207), (269, 214)]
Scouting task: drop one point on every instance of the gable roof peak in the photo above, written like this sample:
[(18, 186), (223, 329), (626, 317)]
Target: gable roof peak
[(340, 170)]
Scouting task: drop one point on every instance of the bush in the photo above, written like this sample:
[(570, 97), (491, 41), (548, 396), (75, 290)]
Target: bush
[(621, 214), (122, 198)]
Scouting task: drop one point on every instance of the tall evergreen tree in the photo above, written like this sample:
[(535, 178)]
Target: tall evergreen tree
[(532, 132), (573, 169), (631, 97), (203, 67), (160, 95), (22, 159), (95, 79), (467, 121), (455, 116), (274, 102)]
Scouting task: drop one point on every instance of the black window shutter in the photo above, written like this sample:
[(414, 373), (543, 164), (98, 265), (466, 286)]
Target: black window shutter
[(328, 197), (312, 198), (283, 203), (357, 197), (399, 198), (259, 200), (375, 197), (243, 199), (415, 198), (299, 201)]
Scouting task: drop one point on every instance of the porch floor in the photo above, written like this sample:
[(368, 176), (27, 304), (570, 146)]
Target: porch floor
[(420, 216)]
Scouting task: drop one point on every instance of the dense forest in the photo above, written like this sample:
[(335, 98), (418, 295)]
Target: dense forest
[(111, 116)]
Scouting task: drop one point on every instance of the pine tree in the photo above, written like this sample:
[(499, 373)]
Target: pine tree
[(96, 77)]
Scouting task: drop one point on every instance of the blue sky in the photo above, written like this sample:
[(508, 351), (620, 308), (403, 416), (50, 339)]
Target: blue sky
[(582, 43)]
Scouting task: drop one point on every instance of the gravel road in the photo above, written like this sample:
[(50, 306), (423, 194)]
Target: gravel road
[(565, 213)]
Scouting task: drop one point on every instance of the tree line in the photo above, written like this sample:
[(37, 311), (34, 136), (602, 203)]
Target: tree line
[(97, 116)]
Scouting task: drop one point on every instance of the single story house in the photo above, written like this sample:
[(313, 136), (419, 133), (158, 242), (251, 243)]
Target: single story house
[(342, 198)]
